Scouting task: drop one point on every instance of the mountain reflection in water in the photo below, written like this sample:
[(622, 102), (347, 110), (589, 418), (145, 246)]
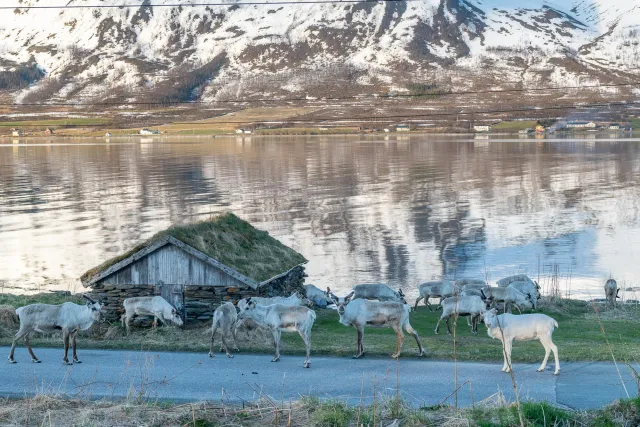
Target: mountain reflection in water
[(361, 209)]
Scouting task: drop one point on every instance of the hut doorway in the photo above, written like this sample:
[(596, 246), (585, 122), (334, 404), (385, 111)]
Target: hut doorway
[(174, 294)]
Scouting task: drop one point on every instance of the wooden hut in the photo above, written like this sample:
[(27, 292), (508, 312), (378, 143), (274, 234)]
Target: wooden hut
[(197, 266)]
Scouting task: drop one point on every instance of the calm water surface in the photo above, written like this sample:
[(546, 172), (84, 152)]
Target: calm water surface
[(397, 210)]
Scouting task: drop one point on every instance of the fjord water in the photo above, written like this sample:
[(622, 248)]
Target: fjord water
[(396, 209)]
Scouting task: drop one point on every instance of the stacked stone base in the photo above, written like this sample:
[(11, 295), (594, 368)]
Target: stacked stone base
[(199, 301)]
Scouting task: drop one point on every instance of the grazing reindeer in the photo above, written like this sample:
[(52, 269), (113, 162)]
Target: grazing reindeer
[(224, 317), (464, 305), (68, 318), (378, 291), (611, 291), (361, 312), (278, 318), (157, 307), (442, 289)]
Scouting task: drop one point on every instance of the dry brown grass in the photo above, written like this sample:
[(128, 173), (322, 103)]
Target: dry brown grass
[(8, 317), (246, 117), (44, 410)]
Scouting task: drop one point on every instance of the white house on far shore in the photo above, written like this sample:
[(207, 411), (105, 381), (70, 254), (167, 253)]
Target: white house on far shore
[(576, 124), (481, 128)]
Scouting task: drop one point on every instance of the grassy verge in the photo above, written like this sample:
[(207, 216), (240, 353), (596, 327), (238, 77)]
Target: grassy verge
[(56, 122), (308, 411), (578, 336)]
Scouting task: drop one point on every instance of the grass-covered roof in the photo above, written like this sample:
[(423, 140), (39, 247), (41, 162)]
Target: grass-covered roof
[(229, 240)]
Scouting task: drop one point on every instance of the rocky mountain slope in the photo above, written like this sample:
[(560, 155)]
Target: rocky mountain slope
[(241, 51)]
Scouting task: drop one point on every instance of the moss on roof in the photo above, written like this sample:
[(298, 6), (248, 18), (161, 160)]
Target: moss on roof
[(229, 240)]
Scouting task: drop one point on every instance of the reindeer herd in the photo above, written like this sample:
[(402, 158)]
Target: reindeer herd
[(367, 305)]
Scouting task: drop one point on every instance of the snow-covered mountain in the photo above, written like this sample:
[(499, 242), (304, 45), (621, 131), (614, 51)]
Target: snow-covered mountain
[(214, 52)]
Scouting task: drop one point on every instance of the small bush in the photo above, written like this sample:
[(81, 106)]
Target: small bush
[(331, 414), (544, 414)]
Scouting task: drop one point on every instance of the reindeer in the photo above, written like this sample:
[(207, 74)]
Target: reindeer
[(378, 291), (361, 312), (224, 317), (611, 291), (157, 307), (68, 318), (278, 318)]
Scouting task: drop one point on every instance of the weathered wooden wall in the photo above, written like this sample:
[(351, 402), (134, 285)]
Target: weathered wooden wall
[(170, 264)]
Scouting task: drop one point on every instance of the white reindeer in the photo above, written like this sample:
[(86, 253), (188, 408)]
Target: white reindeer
[(361, 312), (471, 306), (523, 283), (379, 292), (442, 289), (68, 318), (294, 299), (511, 296), (611, 291), (526, 327), (278, 318), (224, 318), (157, 307), (317, 296)]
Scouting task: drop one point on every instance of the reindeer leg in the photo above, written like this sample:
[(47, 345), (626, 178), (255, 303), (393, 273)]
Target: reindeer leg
[(400, 336), (226, 347), (306, 337), (65, 338), (21, 333), (438, 325), (128, 323), (233, 334), (213, 334), (360, 350), (417, 301), (276, 343), (414, 333), (74, 355), (34, 359), (448, 328), (426, 302)]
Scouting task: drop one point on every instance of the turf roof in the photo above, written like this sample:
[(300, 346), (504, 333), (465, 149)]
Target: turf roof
[(229, 240)]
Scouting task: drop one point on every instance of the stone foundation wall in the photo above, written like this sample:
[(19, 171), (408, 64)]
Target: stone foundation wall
[(199, 301), (112, 296)]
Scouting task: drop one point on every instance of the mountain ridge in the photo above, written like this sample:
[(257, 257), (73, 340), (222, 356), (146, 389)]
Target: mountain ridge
[(215, 52)]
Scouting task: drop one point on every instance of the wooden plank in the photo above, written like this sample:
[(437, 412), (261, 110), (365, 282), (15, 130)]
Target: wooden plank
[(127, 261), (196, 253)]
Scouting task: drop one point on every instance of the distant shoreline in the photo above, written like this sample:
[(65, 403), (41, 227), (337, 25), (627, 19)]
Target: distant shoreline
[(483, 135)]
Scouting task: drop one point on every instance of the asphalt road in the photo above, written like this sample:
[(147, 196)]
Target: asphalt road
[(193, 377)]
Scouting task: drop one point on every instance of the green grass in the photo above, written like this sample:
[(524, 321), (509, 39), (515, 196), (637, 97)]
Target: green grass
[(515, 126), (578, 337), (635, 123), (56, 122), (230, 240)]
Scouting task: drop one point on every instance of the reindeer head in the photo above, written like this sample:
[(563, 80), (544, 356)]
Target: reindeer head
[(246, 308), (175, 317), (532, 300), (486, 299), (340, 302), (490, 318), (94, 307)]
